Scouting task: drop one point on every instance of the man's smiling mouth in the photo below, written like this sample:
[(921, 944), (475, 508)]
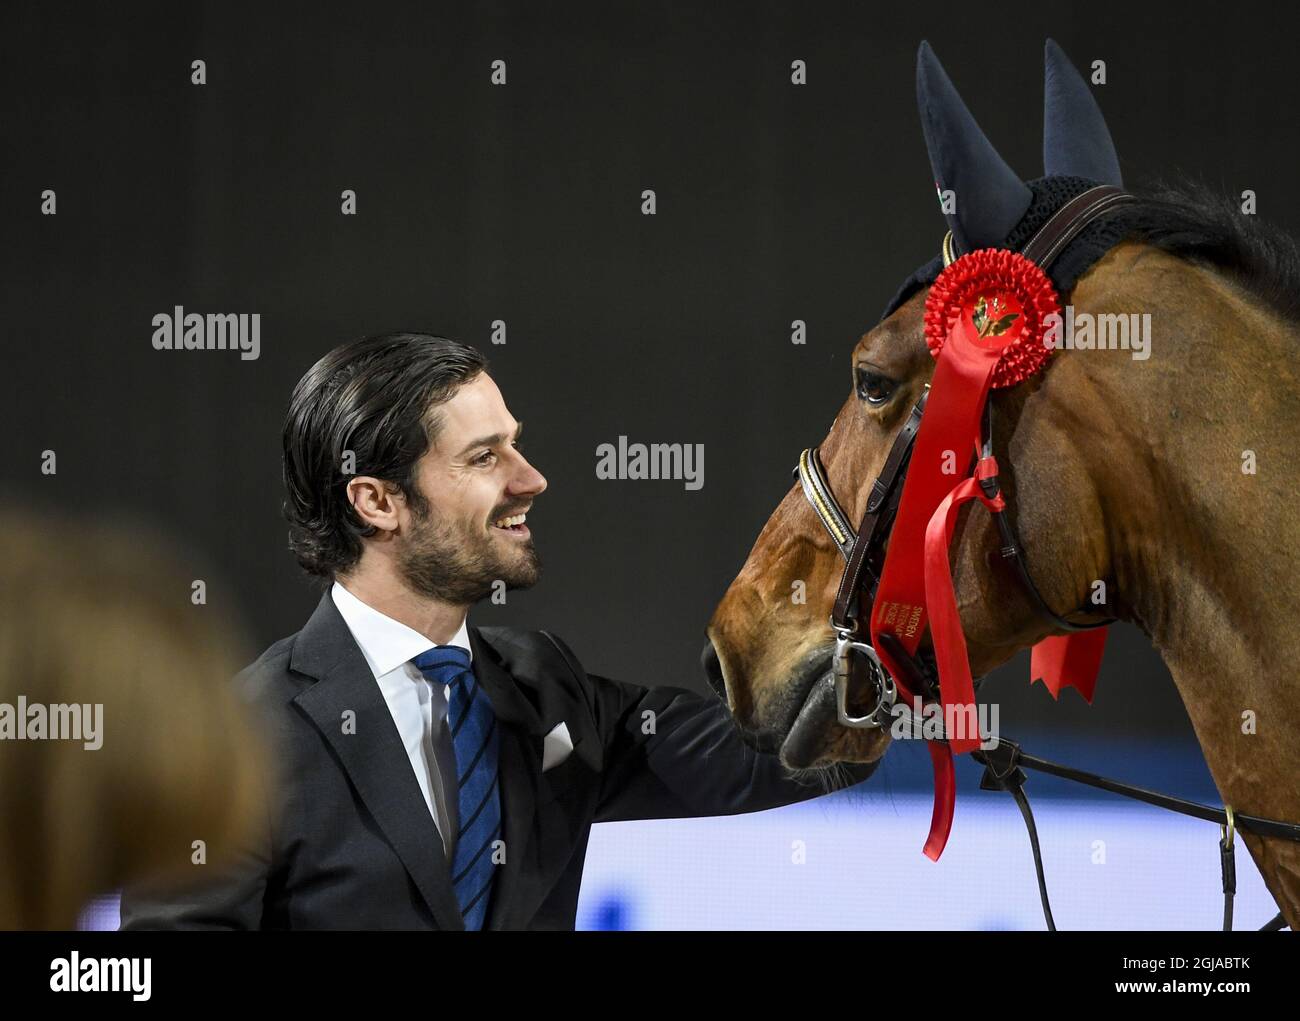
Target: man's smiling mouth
[(512, 524)]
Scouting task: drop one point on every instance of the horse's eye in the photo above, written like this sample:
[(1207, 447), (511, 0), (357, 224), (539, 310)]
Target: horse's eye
[(873, 387)]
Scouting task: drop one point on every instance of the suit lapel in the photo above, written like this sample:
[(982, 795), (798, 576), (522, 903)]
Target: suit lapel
[(519, 769), (373, 756)]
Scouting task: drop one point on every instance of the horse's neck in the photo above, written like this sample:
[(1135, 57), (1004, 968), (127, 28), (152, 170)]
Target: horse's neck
[(1206, 548)]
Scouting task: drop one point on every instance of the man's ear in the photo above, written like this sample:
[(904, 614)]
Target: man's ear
[(376, 502)]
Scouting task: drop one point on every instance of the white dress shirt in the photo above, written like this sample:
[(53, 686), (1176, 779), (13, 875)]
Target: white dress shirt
[(418, 707)]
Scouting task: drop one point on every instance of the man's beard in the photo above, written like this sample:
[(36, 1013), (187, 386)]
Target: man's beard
[(441, 562)]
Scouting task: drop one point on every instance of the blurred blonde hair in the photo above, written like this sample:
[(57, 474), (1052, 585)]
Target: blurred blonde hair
[(102, 614)]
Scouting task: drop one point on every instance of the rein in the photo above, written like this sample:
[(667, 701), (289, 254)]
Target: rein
[(865, 555)]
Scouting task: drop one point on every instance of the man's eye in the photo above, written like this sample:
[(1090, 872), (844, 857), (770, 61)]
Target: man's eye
[(485, 457), (873, 387)]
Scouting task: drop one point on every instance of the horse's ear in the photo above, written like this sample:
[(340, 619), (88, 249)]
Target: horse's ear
[(1076, 141), (989, 197)]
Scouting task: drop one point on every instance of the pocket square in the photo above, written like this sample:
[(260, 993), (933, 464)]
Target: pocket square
[(556, 746)]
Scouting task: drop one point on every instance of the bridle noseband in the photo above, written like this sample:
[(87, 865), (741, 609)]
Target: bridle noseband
[(864, 552)]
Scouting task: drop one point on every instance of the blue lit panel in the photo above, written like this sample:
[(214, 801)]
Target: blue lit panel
[(1110, 865)]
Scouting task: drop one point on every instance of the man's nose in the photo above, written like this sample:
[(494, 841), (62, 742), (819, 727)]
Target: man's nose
[(530, 480)]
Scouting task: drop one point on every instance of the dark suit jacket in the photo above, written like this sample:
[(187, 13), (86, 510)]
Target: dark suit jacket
[(350, 843)]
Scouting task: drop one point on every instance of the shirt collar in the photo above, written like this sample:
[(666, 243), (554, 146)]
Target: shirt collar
[(387, 643)]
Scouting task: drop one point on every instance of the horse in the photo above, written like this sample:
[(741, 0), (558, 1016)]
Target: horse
[(1171, 479)]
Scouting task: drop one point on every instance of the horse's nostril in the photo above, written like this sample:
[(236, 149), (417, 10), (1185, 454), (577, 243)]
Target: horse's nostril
[(713, 670)]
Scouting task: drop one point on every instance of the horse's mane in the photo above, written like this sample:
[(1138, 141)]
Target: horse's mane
[(1191, 221), (1186, 219)]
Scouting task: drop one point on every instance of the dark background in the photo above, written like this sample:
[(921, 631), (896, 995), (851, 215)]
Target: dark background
[(522, 203)]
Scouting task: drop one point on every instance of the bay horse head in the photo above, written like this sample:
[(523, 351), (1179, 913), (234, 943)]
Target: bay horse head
[(1137, 471)]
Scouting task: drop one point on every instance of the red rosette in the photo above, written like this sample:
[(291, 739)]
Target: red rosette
[(1005, 299)]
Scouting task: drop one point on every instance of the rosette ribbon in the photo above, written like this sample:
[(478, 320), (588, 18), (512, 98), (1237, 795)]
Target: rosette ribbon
[(985, 319)]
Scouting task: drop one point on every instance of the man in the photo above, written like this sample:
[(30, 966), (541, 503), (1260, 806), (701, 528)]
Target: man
[(435, 775)]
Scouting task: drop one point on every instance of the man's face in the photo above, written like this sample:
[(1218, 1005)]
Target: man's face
[(478, 487)]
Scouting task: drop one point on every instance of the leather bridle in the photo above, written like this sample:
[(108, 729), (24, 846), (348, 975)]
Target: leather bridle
[(864, 551)]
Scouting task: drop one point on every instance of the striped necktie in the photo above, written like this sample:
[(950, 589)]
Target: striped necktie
[(476, 740)]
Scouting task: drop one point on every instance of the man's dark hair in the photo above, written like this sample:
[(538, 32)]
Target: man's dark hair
[(376, 397)]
